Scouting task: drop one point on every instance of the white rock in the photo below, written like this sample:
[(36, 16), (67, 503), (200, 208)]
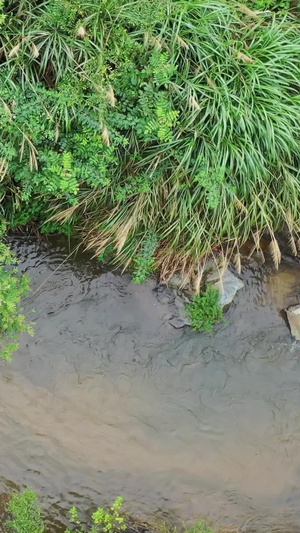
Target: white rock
[(293, 314), (227, 286)]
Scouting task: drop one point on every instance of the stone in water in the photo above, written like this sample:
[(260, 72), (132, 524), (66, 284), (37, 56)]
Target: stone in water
[(227, 286), (293, 314)]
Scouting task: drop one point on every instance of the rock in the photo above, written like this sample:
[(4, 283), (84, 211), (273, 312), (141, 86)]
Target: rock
[(178, 322), (164, 300), (165, 295), (178, 281), (213, 267), (180, 303), (293, 314), (227, 286)]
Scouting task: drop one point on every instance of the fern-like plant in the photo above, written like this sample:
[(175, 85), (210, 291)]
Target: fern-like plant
[(12, 288), (144, 261), (205, 310)]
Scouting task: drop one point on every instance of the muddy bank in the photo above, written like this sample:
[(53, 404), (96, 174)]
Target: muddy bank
[(109, 399)]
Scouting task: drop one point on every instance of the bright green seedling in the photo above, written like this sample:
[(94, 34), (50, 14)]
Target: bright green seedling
[(104, 521), (12, 288), (205, 310), (26, 513)]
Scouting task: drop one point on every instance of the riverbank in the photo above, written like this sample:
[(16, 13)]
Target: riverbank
[(23, 513)]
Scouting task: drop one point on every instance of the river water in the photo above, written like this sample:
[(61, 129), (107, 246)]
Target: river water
[(108, 399)]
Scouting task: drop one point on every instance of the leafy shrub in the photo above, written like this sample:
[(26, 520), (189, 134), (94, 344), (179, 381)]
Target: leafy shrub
[(12, 288), (26, 513), (205, 310)]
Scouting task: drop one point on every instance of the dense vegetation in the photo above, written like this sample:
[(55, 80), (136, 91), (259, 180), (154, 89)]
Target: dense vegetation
[(161, 131), (26, 517)]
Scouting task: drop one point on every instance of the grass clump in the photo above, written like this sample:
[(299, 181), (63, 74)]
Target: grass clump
[(205, 310)]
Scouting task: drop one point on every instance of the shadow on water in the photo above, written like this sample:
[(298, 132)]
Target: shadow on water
[(108, 399)]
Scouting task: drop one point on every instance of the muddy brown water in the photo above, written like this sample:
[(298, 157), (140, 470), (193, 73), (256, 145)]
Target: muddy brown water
[(108, 399)]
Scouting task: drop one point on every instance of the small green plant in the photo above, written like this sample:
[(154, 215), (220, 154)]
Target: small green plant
[(106, 255), (144, 262), (104, 521), (214, 183), (205, 310), (201, 527), (12, 288), (26, 513)]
